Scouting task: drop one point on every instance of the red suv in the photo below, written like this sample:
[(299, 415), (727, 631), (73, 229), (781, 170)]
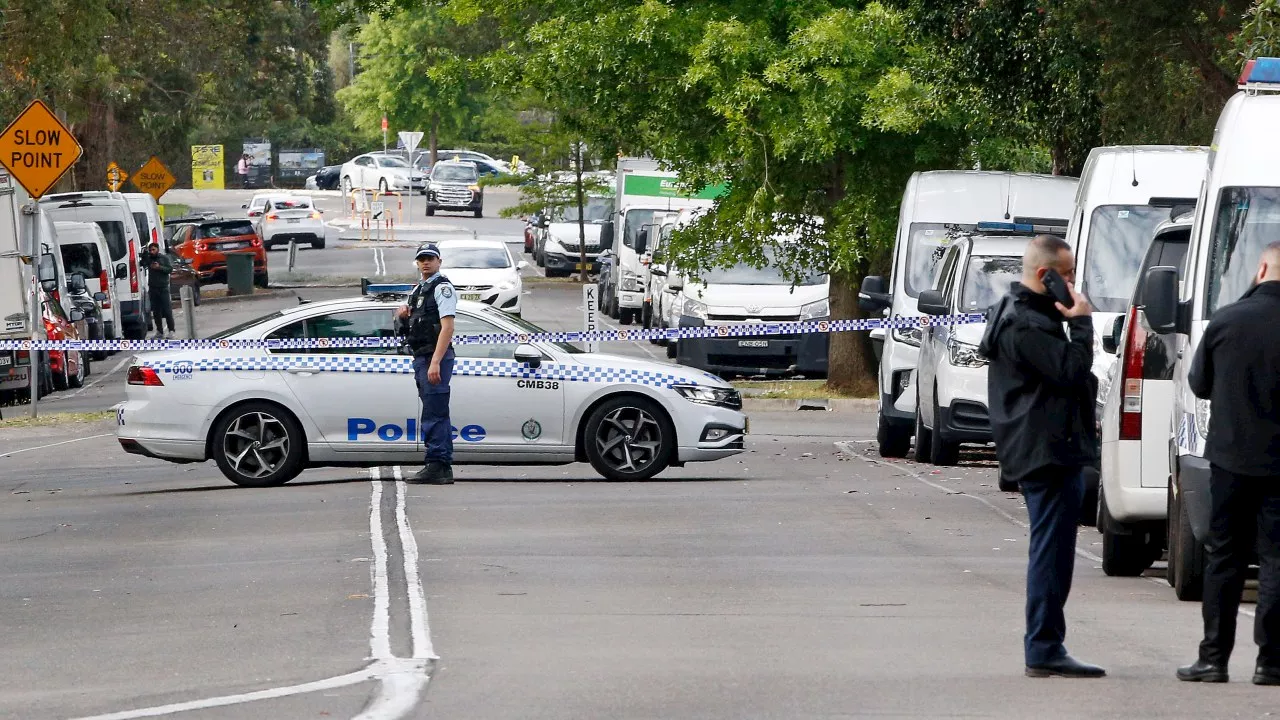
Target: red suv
[(206, 244)]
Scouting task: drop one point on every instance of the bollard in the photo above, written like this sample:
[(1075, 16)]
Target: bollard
[(188, 301), (293, 253)]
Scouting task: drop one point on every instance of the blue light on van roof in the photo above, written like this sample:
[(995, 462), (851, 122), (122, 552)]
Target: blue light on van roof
[(988, 227), (1261, 71)]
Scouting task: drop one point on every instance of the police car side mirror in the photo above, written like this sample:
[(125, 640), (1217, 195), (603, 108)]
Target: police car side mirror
[(1160, 300), (529, 355)]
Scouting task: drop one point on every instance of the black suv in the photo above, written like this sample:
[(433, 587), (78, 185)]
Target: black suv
[(455, 186)]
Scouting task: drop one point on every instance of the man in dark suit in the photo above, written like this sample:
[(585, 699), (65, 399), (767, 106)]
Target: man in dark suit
[(1237, 368)]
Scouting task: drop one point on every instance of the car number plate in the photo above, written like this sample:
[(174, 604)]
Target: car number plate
[(469, 296), (6, 360), (233, 246), (294, 220), (753, 343)]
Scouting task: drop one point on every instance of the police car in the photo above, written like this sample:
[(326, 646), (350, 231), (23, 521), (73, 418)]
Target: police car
[(265, 414)]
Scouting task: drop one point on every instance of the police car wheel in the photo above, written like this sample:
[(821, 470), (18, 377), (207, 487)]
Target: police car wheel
[(629, 438), (258, 444)]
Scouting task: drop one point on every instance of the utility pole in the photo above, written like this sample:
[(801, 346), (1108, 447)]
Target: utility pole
[(582, 214)]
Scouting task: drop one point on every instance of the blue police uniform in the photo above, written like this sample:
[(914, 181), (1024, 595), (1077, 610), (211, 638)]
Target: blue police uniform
[(434, 298)]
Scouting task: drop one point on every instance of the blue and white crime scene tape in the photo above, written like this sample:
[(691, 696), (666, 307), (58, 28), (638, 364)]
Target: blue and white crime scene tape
[(760, 329)]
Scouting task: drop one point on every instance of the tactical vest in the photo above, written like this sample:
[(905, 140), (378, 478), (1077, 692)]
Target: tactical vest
[(423, 329)]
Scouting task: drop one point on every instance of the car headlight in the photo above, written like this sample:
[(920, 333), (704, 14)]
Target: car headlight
[(553, 245), (473, 188), (963, 354), (703, 395), (1202, 418), (630, 282), (908, 335), (816, 310), (694, 308)]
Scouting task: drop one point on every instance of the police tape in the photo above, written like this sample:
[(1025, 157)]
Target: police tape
[(746, 329)]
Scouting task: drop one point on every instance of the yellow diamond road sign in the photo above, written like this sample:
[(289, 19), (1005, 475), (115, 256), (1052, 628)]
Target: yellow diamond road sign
[(116, 177), (37, 148), (153, 178)]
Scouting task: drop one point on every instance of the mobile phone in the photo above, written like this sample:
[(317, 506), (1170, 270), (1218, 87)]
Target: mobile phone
[(1057, 287)]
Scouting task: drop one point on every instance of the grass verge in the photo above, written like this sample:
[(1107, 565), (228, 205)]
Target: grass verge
[(788, 389), (176, 210), (51, 419)]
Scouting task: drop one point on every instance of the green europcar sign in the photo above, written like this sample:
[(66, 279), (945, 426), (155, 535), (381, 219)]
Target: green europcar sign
[(654, 186)]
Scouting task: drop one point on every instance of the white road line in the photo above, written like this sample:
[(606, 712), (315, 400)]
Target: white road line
[(402, 680), (379, 262), (847, 449), (42, 447), (419, 623)]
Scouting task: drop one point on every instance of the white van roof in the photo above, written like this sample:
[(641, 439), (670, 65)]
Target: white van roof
[(78, 232), (1163, 171), (1245, 152), (973, 196)]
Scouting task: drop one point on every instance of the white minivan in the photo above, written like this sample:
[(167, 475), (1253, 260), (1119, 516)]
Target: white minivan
[(1237, 215), (937, 206), (146, 216), (84, 251), (112, 213)]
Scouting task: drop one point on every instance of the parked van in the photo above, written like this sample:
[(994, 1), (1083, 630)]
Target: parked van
[(1125, 193), (936, 207), (146, 216), (112, 213), (84, 251), (1237, 215)]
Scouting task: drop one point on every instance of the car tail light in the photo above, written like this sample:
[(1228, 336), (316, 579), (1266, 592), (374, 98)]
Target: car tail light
[(201, 247), (133, 269), (315, 215), (22, 357), (143, 375), (273, 216), (102, 278), (1131, 377), (256, 242)]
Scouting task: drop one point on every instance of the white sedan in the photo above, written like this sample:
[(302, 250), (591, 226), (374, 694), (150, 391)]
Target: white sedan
[(483, 270), (264, 415), (288, 218), (384, 173)]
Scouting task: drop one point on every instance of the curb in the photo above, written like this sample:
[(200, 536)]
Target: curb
[(750, 404)]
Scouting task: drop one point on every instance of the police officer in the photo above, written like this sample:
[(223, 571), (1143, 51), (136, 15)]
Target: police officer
[(1237, 368), (426, 321)]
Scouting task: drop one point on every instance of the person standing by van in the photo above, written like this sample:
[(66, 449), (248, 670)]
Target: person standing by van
[(1042, 395), (1237, 368), (160, 267)]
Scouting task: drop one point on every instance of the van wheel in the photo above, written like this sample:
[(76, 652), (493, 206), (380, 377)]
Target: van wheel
[(894, 441), (258, 444), (626, 316), (942, 452), (629, 438), (672, 348), (924, 438), (1123, 555), (1186, 556)]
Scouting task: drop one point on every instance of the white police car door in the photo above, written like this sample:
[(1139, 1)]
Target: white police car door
[(499, 414), (362, 399)]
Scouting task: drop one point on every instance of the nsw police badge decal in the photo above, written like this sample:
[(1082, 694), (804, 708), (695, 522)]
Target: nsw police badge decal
[(531, 430)]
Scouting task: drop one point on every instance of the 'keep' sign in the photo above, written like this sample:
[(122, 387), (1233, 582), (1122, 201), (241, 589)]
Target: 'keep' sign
[(37, 149)]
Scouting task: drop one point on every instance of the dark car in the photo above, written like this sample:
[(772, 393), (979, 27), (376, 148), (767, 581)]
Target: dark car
[(327, 177), (455, 186)]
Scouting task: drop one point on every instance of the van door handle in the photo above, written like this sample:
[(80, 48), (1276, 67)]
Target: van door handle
[(302, 369)]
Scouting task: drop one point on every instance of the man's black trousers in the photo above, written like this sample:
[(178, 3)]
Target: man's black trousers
[(1246, 515), (1054, 495), (161, 308)]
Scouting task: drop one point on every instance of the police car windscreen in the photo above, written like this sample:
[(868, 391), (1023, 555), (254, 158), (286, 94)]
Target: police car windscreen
[(1248, 220), (987, 279), (1119, 236), (227, 229), (926, 245), (475, 258)]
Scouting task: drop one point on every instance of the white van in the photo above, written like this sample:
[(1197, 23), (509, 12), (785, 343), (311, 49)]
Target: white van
[(84, 250), (112, 213), (936, 206), (1237, 215), (146, 216), (1125, 193)]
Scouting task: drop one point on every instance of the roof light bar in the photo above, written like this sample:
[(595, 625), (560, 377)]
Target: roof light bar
[(368, 288), (1260, 71), (1021, 228)]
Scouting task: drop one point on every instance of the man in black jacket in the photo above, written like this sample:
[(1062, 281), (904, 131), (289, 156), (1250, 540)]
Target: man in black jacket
[(1042, 392), (1237, 368)]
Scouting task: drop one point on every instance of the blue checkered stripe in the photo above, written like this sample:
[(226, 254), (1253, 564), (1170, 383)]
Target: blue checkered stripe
[(763, 329), (400, 365)]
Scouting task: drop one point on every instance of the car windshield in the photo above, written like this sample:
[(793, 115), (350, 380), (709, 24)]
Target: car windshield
[(925, 247), (475, 257), (987, 279), (1118, 239), (1248, 220), (498, 316), (236, 330), (454, 173), (392, 161), (227, 229), (743, 274), (598, 211)]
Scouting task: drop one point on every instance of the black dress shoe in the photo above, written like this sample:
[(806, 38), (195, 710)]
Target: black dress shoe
[(1065, 666), (1264, 675), (435, 473), (1201, 671)]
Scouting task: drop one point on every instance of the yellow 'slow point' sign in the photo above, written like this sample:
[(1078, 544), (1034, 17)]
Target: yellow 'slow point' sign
[(154, 178), (116, 177), (38, 149)]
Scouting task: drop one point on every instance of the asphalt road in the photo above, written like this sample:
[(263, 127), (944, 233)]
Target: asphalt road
[(802, 579)]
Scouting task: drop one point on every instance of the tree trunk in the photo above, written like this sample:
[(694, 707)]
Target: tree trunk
[(851, 363), (433, 140)]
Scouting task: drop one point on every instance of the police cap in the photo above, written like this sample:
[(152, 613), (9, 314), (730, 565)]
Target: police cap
[(427, 249)]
